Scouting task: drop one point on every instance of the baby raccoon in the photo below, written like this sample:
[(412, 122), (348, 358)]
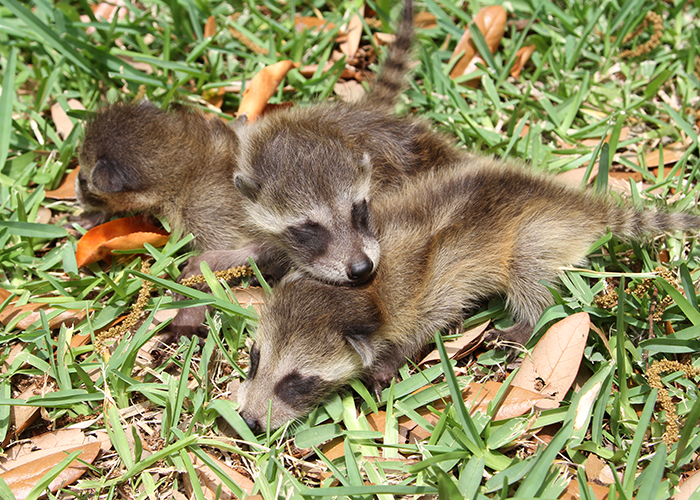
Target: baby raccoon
[(306, 174), (450, 239), (177, 164)]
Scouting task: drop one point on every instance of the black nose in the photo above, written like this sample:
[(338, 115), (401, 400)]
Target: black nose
[(360, 270), (253, 424)]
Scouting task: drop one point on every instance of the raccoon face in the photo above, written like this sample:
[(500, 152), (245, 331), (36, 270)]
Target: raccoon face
[(310, 197), (312, 339)]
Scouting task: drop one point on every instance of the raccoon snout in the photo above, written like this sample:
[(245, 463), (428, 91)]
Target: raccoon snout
[(253, 424), (360, 270)]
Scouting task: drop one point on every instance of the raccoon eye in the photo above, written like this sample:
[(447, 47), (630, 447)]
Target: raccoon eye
[(310, 236), (360, 215), (254, 360), (295, 388)]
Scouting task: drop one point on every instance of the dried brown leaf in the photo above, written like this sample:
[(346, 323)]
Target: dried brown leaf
[(458, 347), (598, 471), (555, 359), (689, 486), (671, 156), (60, 118), (572, 491), (263, 86), (210, 482), (491, 21), (210, 27), (23, 478), (311, 23), (354, 34), (349, 91), (251, 296), (574, 177), (521, 58), (425, 20)]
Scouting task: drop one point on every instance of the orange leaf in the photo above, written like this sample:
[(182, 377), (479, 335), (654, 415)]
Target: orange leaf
[(491, 21), (556, 357), (354, 34), (210, 27), (572, 492), (66, 190), (129, 233), (425, 20), (262, 87), (23, 478), (521, 57), (671, 156), (311, 23)]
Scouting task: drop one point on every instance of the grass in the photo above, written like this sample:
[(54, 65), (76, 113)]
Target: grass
[(575, 91)]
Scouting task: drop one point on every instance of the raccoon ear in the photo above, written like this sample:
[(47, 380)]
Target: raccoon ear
[(110, 177), (247, 187), (359, 337)]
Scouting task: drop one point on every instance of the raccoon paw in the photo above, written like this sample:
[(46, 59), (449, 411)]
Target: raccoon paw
[(187, 323), (519, 334)]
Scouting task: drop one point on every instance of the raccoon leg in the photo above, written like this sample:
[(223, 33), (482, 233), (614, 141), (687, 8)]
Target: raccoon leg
[(526, 298)]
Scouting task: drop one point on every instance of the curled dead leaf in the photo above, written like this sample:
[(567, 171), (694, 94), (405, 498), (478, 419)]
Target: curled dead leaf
[(556, 358), (262, 87), (458, 348), (521, 57), (60, 118), (210, 27), (128, 233), (425, 20), (354, 34), (491, 21), (66, 190), (23, 478)]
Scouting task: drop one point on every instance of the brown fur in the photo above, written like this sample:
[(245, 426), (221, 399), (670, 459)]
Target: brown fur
[(306, 174), (449, 239)]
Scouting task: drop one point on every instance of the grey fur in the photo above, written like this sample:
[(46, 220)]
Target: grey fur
[(450, 239)]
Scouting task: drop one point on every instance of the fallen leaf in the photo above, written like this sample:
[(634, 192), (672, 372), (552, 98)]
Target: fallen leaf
[(60, 118), (22, 417), (521, 57), (262, 87), (43, 215), (32, 315), (304, 22), (688, 486), (215, 97), (128, 233), (354, 34), (210, 482), (572, 491), (335, 448), (23, 478), (49, 443), (491, 21), (310, 70), (575, 177), (250, 296), (349, 91), (384, 38), (210, 27), (671, 156), (635, 176), (425, 20), (599, 472), (458, 348), (12, 355), (556, 357)]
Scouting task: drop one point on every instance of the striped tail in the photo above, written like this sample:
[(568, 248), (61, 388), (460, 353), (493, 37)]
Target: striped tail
[(637, 223), (391, 79)]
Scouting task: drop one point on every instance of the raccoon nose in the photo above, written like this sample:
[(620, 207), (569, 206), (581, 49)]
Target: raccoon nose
[(360, 270), (253, 424)]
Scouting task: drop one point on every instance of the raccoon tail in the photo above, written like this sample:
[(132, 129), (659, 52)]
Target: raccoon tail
[(390, 80), (637, 223)]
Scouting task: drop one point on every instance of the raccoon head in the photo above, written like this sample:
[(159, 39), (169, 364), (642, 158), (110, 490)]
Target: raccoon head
[(312, 339), (121, 155), (307, 192)]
